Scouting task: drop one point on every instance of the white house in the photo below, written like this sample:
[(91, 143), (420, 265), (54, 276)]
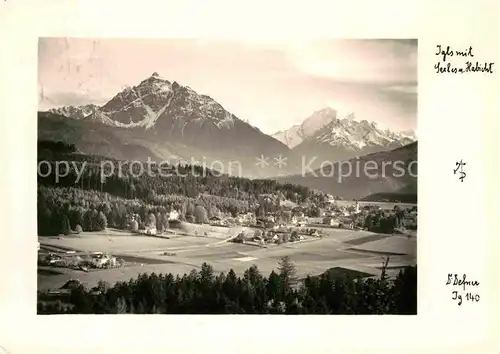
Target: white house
[(173, 215), (240, 218), (302, 222), (246, 218), (100, 261)]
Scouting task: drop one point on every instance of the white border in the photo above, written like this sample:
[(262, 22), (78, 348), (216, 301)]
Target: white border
[(455, 121)]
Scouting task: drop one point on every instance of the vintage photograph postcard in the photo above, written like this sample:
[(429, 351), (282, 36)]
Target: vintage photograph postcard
[(220, 177)]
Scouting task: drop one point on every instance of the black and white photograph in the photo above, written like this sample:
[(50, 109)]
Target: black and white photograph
[(210, 176)]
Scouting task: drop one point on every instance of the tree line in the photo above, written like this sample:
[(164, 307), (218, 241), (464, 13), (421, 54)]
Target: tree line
[(204, 292), (181, 179)]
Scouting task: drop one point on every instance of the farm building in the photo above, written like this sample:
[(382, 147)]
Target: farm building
[(217, 221), (330, 221), (134, 225), (103, 260), (302, 221)]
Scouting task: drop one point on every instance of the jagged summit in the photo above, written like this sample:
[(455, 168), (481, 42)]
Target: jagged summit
[(325, 127), (154, 100), (298, 133), (350, 116), (327, 136), (177, 114), (352, 134), (76, 112)]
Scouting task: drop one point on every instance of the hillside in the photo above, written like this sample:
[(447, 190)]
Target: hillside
[(89, 137), (387, 172)]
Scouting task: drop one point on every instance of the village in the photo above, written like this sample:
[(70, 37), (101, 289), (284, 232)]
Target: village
[(181, 245), (289, 223)]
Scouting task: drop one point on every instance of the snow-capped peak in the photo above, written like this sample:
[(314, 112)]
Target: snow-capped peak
[(155, 99), (76, 112), (326, 126), (298, 133), (354, 135)]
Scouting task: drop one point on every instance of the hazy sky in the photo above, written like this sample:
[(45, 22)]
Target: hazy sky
[(272, 85)]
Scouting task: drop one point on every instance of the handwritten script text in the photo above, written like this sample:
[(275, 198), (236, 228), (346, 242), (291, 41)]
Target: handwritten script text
[(444, 65), (461, 286)]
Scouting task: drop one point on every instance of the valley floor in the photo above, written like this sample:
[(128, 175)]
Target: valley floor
[(352, 249)]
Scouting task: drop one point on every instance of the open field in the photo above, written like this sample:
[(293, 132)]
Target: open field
[(359, 251), (393, 244)]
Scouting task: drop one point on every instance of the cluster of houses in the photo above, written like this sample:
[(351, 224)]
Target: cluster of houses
[(271, 220), (283, 217), (341, 217), (353, 217), (96, 260), (268, 237)]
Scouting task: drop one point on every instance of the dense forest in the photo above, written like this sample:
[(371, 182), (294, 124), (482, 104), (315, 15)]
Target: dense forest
[(61, 210), (73, 195), (203, 292), (134, 179)]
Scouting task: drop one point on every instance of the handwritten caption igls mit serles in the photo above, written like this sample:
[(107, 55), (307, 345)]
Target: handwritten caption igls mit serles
[(461, 286), (444, 65)]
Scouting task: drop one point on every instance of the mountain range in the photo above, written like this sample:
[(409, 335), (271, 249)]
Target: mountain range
[(167, 121), (76, 112), (325, 137)]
